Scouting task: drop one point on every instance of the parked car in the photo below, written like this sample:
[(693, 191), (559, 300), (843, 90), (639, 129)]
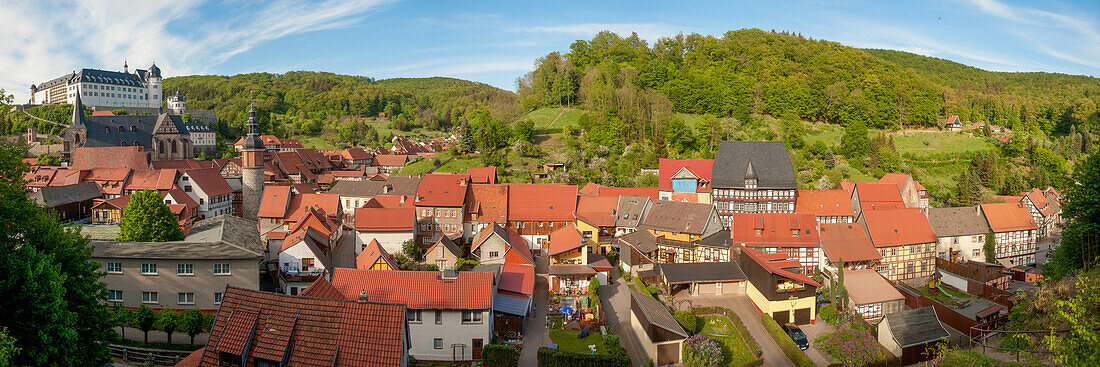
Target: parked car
[(797, 335)]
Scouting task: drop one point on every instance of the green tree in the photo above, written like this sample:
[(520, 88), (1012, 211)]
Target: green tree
[(145, 319), (855, 142), (1080, 246), (147, 219), (990, 248), (45, 159), (122, 317), (967, 189), (8, 350), (524, 130), (168, 321), (1077, 311), (52, 299), (412, 251)]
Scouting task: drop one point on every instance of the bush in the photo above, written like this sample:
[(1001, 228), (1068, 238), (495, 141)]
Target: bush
[(652, 290), (688, 321), (499, 355), (785, 343), (852, 347), (827, 313), (700, 351), (558, 358)]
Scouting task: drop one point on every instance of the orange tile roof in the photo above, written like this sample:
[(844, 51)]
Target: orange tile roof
[(775, 229), (541, 202), (210, 180), (307, 331), (385, 219), (869, 287), (321, 288), (157, 180), (355, 154), (330, 203), (274, 202), (597, 210), (390, 160), (899, 179), (516, 244), (565, 239), (898, 227), (482, 175), (776, 264), (132, 157), (442, 190), (472, 290), (192, 360), (847, 241), (824, 202), (877, 192), (700, 168), (489, 202), (389, 201), (1008, 217), (517, 277), (370, 255)]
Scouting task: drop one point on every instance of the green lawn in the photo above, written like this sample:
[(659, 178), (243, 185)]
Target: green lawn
[(567, 340), (734, 350), (544, 117), (928, 143), (459, 165), (317, 142)]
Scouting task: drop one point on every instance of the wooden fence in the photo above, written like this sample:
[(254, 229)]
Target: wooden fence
[(147, 357)]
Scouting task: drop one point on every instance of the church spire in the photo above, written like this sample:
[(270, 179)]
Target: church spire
[(252, 140), (251, 116), (78, 114)]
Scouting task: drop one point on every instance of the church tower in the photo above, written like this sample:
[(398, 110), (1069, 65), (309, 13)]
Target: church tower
[(252, 169), (77, 133)]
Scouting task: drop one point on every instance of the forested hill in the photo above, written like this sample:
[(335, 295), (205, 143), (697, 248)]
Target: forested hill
[(750, 71), (321, 96)]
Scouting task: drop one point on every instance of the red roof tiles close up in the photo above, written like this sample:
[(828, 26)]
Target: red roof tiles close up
[(775, 229), (1008, 217), (542, 202), (848, 242), (700, 168), (471, 290), (824, 202), (442, 190), (898, 227)]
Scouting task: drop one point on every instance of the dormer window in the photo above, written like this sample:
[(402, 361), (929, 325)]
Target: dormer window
[(758, 232), (121, 129), (794, 233), (106, 129), (133, 128), (750, 183)]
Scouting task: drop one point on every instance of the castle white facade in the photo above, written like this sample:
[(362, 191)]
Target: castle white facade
[(103, 88)]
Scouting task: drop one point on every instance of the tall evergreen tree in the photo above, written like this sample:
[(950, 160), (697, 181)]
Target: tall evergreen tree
[(990, 248), (52, 298), (147, 219), (1080, 245)]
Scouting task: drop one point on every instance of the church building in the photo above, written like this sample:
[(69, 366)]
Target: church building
[(162, 137)]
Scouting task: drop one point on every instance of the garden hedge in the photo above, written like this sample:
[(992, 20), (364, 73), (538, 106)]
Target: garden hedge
[(785, 343), (499, 355), (557, 358)]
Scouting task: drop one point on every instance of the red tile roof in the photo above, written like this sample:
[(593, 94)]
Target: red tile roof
[(517, 277), (321, 288), (390, 160), (1039, 199), (274, 202), (132, 157), (482, 175), (181, 197), (307, 331), (565, 239), (356, 154), (898, 227), (385, 219), (1008, 217), (102, 113), (877, 192), (370, 255), (330, 203), (119, 202), (489, 202), (775, 229), (442, 190), (775, 263), (210, 181), (824, 202), (700, 168), (597, 210), (594, 189), (472, 290), (516, 244), (847, 241), (193, 359), (541, 202), (389, 201), (899, 179), (182, 164), (156, 180)]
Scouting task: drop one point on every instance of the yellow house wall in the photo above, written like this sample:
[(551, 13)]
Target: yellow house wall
[(380, 265), (577, 254), (770, 307), (676, 236)]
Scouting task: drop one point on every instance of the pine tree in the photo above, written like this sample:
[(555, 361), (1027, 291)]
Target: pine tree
[(147, 219), (990, 248)]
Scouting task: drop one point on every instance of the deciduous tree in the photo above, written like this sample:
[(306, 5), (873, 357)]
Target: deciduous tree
[(147, 219)]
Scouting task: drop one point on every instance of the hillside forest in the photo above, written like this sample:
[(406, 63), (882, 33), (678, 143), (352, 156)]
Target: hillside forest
[(612, 105)]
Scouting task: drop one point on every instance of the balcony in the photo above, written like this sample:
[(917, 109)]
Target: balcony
[(290, 275)]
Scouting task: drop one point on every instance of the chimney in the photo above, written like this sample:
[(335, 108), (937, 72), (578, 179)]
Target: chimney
[(402, 199), (362, 296), (386, 190)]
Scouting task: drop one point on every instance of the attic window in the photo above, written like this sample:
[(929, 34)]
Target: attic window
[(758, 232), (794, 233)]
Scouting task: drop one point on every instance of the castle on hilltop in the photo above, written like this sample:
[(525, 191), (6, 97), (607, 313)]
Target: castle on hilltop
[(103, 88)]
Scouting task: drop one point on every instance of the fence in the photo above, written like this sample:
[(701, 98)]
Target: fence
[(149, 357)]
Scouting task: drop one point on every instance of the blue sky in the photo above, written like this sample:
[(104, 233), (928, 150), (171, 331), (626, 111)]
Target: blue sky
[(496, 42)]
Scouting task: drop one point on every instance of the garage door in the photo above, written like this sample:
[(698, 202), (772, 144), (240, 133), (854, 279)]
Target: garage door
[(668, 354), (782, 317), (707, 289), (733, 288), (802, 316)]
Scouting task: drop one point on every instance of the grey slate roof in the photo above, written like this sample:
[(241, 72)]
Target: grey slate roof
[(510, 304), (769, 163), (631, 211), (678, 216), (958, 221), (222, 237), (53, 196), (103, 130), (642, 240), (400, 185), (680, 273), (195, 126), (720, 239), (656, 313), (913, 327), (100, 76)]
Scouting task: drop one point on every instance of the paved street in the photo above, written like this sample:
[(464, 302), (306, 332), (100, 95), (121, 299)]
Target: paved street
[(343, 256), (743, 307), (812, 331), (615, 298), (534, 333)]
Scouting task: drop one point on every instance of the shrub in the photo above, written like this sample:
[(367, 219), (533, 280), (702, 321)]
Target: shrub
[(852, 347), (687, 320), (499, 355), (558, 358), (652, 290), (700, 351), (785, 343), (828, 313)]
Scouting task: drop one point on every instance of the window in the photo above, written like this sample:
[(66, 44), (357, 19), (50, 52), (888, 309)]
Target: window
[(149, 269), (894, 251), (977, 252), (438, 343), (185, 298), (438, 317), (149, 297), (221, 269), (412, 316), (114, 268), (185, 269), (307, 263), (794, 233), (133, 128), (217, 297), (471, 317), (121, 129), (114, 296), (758, 232), (493, 254)]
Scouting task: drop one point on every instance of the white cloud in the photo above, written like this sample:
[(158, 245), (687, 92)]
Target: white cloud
[(648, 31), (454, 67), (1074, 38), (45, 39)]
